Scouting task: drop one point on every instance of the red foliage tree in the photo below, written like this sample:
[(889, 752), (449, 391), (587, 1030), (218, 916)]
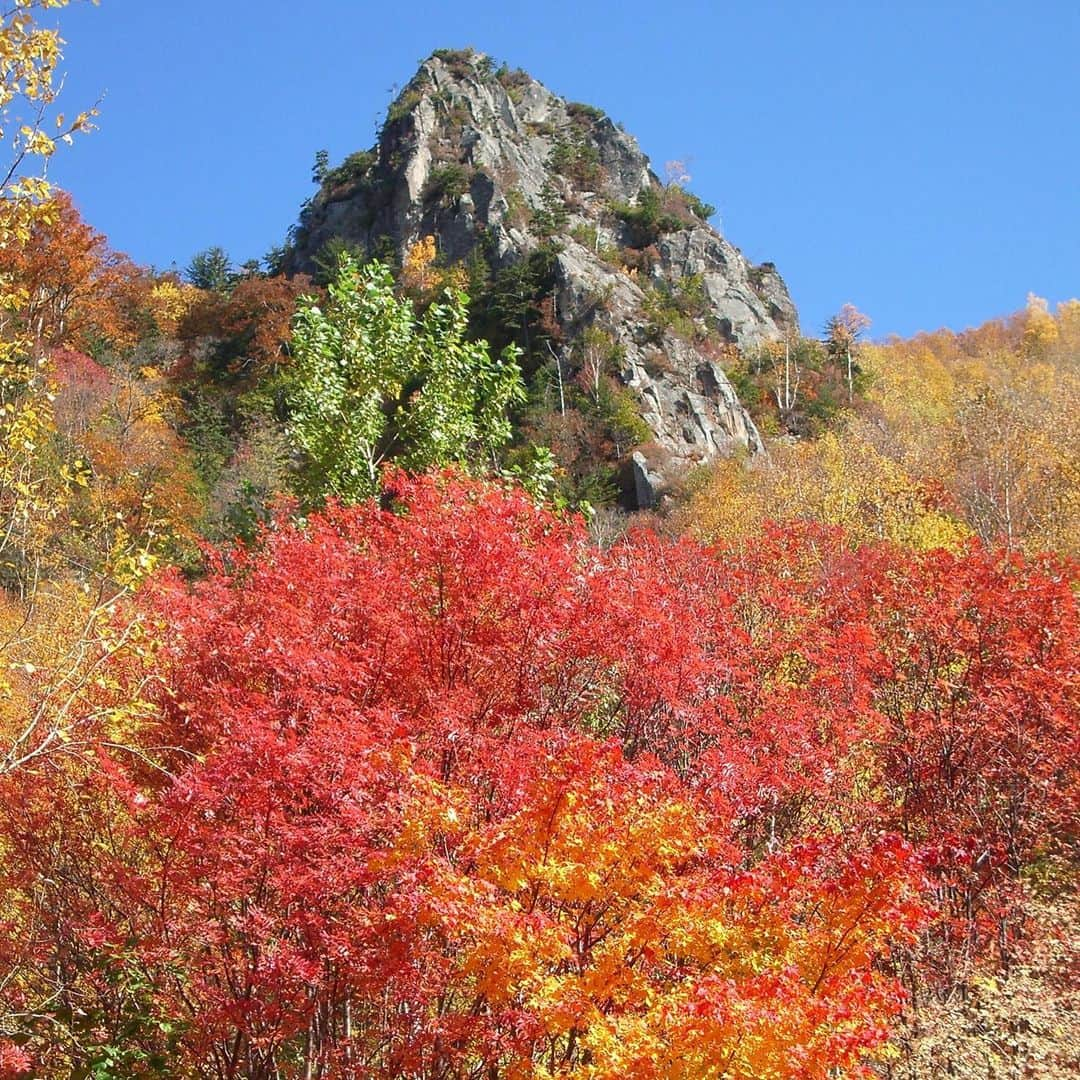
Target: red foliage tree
[(442, 790), (429, 831)]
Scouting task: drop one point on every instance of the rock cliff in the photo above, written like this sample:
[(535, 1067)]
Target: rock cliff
[(491, 161)]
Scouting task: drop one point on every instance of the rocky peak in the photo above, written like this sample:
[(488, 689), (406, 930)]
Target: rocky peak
[(487, 159)]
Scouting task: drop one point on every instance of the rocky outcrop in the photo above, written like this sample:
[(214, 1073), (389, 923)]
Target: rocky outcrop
[(492, 160)]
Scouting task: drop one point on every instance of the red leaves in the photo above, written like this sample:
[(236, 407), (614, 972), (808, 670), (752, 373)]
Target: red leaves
[(455, 793), (14, 1061)]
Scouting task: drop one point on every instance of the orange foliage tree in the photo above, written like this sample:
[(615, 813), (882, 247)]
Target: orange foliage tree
[(70, 290), (251, 326)]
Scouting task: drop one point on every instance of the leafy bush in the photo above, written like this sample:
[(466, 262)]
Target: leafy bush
[(696, 206), (513, 81), (676, 308), (618, 408), (585, 235), (447, 183), (403, 105), (584, 114), (517, 208), (351, 171), (647, 218), (465, 62)]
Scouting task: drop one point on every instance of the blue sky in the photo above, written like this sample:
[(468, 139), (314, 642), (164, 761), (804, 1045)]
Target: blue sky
[(920, 160)]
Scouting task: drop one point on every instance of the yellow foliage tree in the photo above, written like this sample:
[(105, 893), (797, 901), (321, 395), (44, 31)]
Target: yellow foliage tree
[(30, 490), (29, 57), (959, 434), (987, 417), (422, 279), (169, 302), (840, 479)]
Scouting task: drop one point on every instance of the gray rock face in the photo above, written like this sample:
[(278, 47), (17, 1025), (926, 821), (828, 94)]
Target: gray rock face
[(477, 157)]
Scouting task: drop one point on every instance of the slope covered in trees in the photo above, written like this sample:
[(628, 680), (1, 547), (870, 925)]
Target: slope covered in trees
[(947, 436), (336, 742)]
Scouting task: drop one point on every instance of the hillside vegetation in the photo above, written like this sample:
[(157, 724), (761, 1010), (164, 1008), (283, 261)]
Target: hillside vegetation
[(350, 728)]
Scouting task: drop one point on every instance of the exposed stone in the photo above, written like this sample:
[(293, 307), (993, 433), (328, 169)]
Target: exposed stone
[(648, 482), (504, 136)]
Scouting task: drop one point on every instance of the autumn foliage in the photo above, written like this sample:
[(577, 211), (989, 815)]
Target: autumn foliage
[(68, 289), (428, 783), (441, 789), (949, 435)]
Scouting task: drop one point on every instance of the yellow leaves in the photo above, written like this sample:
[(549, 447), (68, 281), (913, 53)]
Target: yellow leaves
[(29, 56), (35, 141), (607, 927), (58, 696), (840, 479), (1040, 329), (77, 473), (422, 278), (129, 561), (999, 400), (31, 492), (416, 272), (169, 302), (962, 434)]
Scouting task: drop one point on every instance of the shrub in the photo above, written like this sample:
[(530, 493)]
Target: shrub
[(351, 171), (447, 183), (403, 105), (585, 235), (647, 218), (675, 308), (696, 206), (576, 157), (583, 114)]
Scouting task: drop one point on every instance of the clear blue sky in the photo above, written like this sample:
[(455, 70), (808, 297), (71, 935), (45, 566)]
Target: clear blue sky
[(920, 159)]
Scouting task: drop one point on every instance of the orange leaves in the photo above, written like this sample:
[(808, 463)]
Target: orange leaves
[(436, 789), (591, 826), (253, 322), (69, 289)]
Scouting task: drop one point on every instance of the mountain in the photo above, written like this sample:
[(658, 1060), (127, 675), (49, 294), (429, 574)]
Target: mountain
[(574, 248)]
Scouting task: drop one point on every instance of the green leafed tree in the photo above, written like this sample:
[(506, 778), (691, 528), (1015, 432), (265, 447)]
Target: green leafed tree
[(210, 270), (375, 382)]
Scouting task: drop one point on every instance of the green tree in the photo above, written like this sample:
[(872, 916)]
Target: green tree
[(374, 382), (210, 270)]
